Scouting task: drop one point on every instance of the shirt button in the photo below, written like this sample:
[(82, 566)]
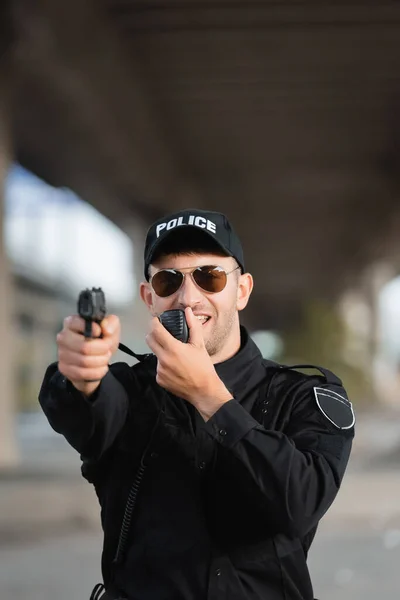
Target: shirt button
[(222, 432), (202, 465), (218, 572)]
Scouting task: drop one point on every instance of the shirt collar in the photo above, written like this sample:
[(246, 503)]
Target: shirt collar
[(243, 370)]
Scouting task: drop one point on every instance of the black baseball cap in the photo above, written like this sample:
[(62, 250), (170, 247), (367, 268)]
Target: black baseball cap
[(215, 225)]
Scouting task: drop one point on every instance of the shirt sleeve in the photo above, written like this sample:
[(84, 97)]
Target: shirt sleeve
[(91, 424), (292, 474)]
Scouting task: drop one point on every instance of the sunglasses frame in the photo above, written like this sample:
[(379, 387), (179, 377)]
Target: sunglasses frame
[(190, 271)]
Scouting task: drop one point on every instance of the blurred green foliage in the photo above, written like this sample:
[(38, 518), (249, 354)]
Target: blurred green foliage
[(320, 340), (27, 385), (27, 396)]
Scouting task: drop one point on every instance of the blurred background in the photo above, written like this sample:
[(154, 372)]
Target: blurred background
[(283, 115)]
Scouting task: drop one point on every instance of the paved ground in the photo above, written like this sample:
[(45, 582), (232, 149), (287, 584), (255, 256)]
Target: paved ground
[(358, 565), (62, 568)]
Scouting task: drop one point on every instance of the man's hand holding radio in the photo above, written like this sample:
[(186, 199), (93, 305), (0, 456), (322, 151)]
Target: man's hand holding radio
[(186, 370), (84, 361)]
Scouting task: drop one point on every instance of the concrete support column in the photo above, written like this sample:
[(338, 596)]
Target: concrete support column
[(8, 446)]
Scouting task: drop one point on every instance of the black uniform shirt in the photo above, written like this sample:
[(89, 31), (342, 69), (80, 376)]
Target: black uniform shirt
[(223, 510)]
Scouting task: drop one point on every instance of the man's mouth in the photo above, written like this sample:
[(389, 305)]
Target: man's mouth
[(203, 318)]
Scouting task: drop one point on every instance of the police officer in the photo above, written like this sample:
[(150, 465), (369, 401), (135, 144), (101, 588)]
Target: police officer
[(213, 466)]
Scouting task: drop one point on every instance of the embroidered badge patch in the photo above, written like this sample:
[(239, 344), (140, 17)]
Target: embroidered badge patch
[(336, 407)]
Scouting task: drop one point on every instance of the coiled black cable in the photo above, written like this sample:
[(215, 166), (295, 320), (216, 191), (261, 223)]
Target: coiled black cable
[(133, 496), (128, 514)]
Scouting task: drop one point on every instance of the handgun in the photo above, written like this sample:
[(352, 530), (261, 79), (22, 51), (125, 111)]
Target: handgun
[(92, 308)]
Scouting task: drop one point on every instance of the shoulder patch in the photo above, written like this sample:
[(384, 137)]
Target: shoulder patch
[(336, 407)]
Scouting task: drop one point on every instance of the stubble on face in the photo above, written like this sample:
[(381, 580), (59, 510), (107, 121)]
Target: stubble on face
[(221, 331)]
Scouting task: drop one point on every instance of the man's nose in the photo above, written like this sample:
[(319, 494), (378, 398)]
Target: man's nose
[(189, 294)]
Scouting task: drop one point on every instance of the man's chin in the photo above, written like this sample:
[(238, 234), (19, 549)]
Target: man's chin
[(211, 347)]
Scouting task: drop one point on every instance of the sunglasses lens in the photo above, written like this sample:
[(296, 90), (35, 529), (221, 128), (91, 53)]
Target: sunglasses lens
[(165, 283), (210, 279)]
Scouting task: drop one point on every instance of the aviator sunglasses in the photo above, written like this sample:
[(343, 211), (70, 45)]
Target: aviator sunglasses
[(209, 278)]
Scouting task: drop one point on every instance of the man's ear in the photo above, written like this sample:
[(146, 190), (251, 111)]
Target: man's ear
[(146, 294), (245, 287)]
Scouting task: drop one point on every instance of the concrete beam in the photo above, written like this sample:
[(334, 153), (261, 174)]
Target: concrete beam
[(192, 15)]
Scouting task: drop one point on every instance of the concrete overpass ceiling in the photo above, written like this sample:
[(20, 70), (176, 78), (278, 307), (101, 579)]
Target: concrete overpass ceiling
[(277, 113), (282, 112)]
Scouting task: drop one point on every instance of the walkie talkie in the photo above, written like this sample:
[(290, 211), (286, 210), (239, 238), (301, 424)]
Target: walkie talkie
[(92, 308), (175, 322)]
